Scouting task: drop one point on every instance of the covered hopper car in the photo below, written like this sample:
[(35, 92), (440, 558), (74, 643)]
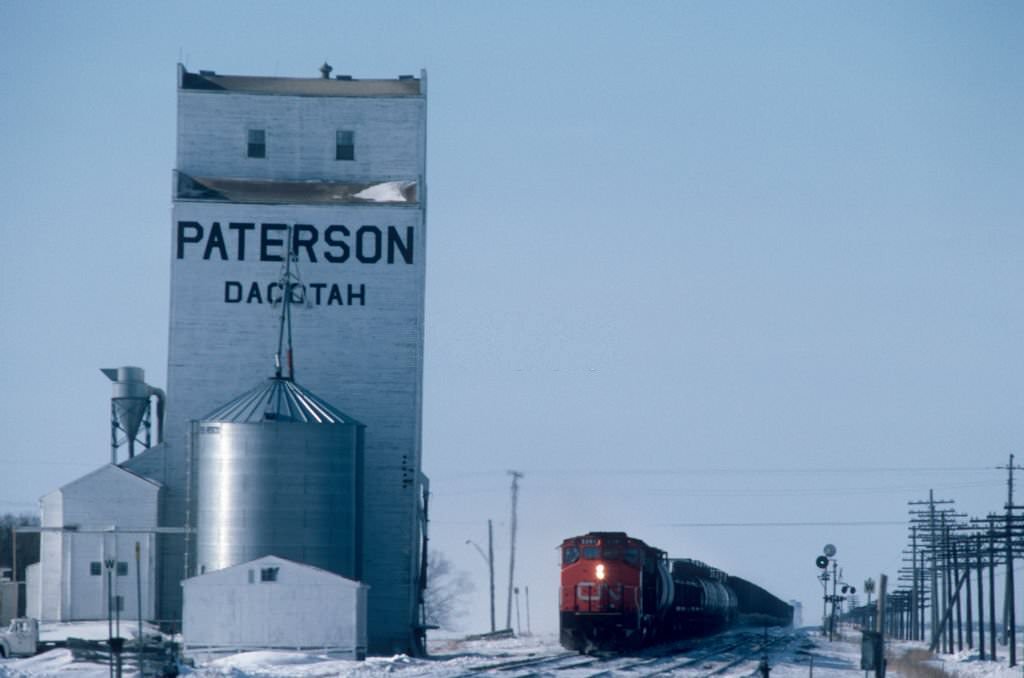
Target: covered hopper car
[(618, 593)]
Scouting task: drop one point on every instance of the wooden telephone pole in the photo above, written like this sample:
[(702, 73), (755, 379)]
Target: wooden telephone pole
[(1009, 608), (516, 475)]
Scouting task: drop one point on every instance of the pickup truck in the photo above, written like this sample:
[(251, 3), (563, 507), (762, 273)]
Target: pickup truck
[(21, 639)]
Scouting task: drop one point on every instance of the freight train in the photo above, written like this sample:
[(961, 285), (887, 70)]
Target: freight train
[(619, 593)]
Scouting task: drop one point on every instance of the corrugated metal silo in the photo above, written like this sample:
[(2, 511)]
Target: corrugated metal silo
[(279, 472)]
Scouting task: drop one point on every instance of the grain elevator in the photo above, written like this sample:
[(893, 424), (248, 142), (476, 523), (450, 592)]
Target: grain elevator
[(331, 169)]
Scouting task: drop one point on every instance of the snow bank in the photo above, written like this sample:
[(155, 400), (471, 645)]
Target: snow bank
[(452, 656), (52, 663)]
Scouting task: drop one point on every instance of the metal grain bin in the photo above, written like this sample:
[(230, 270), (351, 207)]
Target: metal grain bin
[(278, 471)]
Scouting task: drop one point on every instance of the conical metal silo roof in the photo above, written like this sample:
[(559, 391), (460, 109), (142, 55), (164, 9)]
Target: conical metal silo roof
[(279, 399)]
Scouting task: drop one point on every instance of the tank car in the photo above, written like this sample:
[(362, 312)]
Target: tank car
[(703, 602), (618, 593)]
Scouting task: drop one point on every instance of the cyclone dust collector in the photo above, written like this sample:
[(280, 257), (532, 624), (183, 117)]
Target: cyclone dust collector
[(130, 410)]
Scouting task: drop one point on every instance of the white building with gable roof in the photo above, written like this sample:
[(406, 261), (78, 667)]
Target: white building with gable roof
[(274, 604), (87, 525)]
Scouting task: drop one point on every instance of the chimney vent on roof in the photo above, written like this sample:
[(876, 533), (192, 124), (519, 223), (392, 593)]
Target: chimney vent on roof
[(325, 71), (406, 77), (343, 77), (207, 73)]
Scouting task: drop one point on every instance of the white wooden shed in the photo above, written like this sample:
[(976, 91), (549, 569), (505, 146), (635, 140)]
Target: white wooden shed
[(274, 604), (86, 524)]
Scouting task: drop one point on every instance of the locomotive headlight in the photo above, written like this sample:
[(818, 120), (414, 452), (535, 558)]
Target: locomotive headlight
[(600, 571)]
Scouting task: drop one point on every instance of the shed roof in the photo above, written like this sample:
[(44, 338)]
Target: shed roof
[(272, 560), (340, 86), (107, 468)]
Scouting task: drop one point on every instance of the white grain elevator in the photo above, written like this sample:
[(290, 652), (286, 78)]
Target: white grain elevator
[(340, 164)]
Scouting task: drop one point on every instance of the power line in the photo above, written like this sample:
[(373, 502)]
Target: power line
[(43, 462), (768, 492), (824, 523), (737, 471)]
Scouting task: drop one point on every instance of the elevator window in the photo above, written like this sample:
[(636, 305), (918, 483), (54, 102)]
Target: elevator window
[(257, 143), (345, 145)]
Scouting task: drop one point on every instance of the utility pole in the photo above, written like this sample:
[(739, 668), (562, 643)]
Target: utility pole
[(490, 565), (529, 631), (992, 591), (955, 578), (967, 574), (108, 564), (519, 626), (880, 622), (138, 600), (832, 619), (516, 475), (1010, 611), (489, 558), (933, 538), (914, 594), (981, 599)]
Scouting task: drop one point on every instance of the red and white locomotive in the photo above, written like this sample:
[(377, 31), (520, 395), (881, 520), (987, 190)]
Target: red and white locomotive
[(617, 592)]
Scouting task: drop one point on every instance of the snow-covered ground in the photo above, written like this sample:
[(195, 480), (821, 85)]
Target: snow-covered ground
[(451, 657)]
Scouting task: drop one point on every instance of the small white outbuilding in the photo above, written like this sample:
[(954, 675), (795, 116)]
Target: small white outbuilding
[(88, 558), (274, 604)]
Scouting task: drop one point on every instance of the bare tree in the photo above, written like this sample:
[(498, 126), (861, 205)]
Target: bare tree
[(444, 601), (27, 542)]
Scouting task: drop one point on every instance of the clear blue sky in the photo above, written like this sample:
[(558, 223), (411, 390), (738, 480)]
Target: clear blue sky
[(666, 240)]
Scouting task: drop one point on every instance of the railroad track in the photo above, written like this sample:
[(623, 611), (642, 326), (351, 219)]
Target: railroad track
[(528, 664), (691, 660), (757, 650), (703, 660)]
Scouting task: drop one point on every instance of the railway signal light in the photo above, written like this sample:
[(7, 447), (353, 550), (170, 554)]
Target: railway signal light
[(821, 561)]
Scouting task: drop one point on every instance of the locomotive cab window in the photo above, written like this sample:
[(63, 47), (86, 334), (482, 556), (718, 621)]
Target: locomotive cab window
[(591, 552), (632, 556), (570, 554)]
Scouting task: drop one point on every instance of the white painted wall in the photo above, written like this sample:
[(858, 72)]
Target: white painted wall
[(33, 591), (367, 359), (300, 136), (51, 556), (305, 608), (110, 497)]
